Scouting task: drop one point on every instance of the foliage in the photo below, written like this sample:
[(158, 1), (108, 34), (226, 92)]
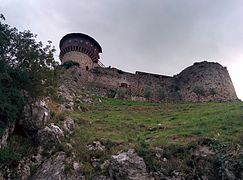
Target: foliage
[(148, 93), (199, 90), (11, 99), (69, 64), (21, 52), (161, 93), (111, 93), (26, 67), (8, 156), (122, 92), (212, 91)]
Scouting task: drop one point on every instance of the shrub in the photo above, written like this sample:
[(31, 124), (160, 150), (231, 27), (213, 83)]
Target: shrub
[(8, 156), (199, 90), (111, 93), (148, 93), (69, 64), (122, 93), (161, 92)]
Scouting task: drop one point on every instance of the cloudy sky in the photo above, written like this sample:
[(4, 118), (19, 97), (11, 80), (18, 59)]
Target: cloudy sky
[(158, 36)]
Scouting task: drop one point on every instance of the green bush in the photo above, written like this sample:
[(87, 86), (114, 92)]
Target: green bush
[(199, 90), (161, 93), (26, 68), (8, 156), (122, 93), (69, 64), (148, 93), (111, 93)]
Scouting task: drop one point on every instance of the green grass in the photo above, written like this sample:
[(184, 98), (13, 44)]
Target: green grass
[(158, 124)]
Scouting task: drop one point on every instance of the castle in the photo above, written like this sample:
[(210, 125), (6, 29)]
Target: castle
[(204, 81)]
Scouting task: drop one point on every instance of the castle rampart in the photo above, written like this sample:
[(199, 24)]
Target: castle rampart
[(204, 81)]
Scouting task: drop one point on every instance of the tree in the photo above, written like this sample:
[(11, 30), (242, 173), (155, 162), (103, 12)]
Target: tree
[(21, 51), (25, 66)]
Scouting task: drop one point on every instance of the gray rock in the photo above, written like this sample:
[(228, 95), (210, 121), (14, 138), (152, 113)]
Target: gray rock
[(36, 116), (58, 167), (96, 146), (101, 178), (128, 165), (6, 133), (49, 136), (68, 125), (64, 92)]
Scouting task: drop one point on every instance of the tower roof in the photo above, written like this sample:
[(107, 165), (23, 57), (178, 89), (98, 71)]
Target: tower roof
[(80, 35)]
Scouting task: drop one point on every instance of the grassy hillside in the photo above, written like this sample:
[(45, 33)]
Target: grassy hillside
[(158, 124)]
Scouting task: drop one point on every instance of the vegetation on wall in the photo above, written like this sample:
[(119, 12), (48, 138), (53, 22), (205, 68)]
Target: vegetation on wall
[(69, 64), (161, 93), (199, 90), (148, 93)]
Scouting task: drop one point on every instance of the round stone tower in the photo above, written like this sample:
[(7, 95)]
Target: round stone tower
[(206, 81), (82, 49)]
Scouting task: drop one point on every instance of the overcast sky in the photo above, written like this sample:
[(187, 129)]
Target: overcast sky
[(158, 36)]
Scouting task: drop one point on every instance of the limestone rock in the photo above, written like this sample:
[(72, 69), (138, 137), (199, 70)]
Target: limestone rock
[(96, 146), (36, 116), (6, 133), (128, 165), (50, 135), (68, 125), (58, 167), (65, 93)]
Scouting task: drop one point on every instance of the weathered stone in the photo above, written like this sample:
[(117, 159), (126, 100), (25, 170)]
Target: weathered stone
[(101, 178), (35, 116), (58, 167), (128, 165), (68, 125), (66, 94), (49, 136), (96, 146), (6, 133), (204, 81)]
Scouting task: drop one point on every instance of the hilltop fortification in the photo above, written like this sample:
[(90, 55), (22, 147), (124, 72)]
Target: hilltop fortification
[(204, 81)]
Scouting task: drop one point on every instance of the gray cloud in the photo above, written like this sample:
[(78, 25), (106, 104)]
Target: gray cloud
[(156, 36)]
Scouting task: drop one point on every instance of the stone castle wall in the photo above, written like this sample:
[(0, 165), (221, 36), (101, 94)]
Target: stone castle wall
[(83, 59), (206, 81), (203, 81)]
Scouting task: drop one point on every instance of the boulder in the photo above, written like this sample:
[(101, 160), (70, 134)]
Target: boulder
[(58, 167), (68, 125), (96, 146), (35, 116), (128, 165), (49, 136)]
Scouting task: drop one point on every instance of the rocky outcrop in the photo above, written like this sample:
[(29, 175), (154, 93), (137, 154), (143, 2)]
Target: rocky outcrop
[(58, 167), (68, 96), (49, 136), (35, 116), (128, 165), (68, 125)]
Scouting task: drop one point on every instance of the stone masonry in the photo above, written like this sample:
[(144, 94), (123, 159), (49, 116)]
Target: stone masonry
[(204, 81)]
